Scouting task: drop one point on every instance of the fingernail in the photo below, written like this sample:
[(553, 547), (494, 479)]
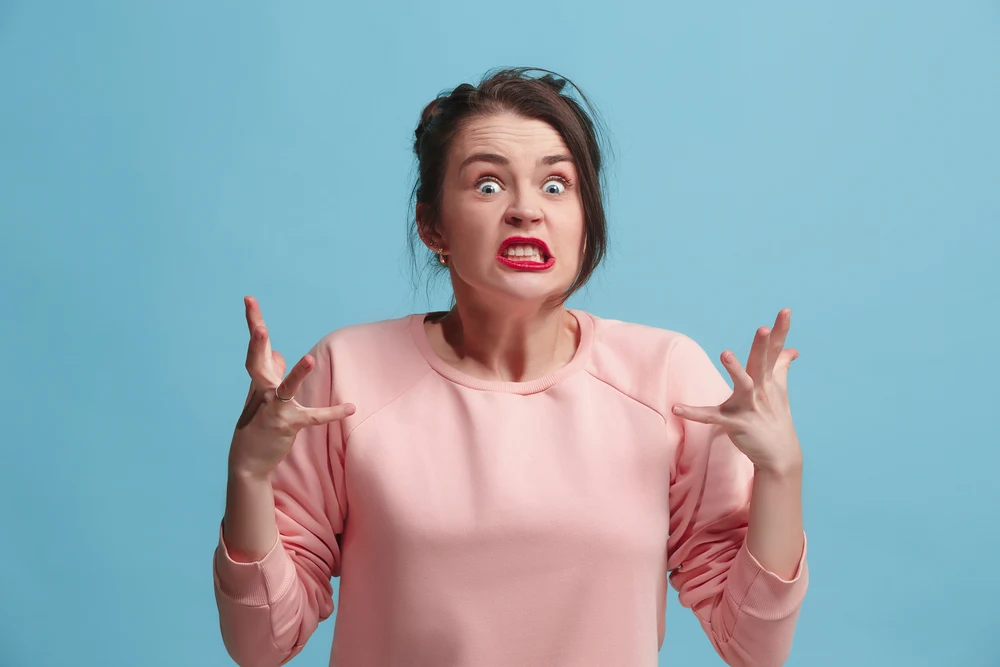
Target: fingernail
[(351, 409), (678, 410)]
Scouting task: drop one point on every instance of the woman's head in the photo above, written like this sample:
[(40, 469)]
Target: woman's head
[(511, 157)]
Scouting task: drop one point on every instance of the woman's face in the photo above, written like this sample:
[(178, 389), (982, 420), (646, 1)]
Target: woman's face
[(512, 219)]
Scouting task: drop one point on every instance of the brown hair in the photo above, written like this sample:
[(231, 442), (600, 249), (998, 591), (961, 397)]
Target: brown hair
[(515, 90)]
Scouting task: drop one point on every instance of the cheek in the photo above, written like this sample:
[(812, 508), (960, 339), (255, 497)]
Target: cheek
[(465, 221), (576, 219)]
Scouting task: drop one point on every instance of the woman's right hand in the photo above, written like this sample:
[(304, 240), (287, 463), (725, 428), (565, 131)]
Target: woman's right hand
[(267, 427)]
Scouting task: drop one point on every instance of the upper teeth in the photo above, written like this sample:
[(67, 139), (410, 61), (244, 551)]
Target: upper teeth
[(526, 251)]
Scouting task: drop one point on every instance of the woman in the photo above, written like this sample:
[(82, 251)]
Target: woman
[(511, 482)]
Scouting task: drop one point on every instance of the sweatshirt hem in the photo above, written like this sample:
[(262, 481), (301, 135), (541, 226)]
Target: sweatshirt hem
[(762, 594), (255, 584)]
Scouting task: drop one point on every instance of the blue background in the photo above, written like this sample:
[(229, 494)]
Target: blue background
[(159, 161)]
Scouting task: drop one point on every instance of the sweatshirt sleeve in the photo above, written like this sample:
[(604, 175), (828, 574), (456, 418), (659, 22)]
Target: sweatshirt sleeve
[(748, 613), (269, 608)]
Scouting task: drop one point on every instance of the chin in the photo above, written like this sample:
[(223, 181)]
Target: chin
[(503, 288), (529, 288)]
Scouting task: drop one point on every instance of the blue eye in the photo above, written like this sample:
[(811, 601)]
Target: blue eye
[(489, 187), (554, 187)]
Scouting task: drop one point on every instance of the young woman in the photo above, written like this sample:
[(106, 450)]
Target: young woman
[(511, 482)]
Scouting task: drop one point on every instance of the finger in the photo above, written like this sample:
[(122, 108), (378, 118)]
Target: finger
[(279, 363), (703, 415), (257, 354), (316, 416), (757, 361), (778, 335), (742, 382), (254, 317), (781, 367), (291, 384)]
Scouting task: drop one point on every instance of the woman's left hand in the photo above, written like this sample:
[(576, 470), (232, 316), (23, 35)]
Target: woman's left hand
[(757, 417)]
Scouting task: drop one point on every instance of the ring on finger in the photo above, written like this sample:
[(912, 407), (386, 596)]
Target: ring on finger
[(280, 398)]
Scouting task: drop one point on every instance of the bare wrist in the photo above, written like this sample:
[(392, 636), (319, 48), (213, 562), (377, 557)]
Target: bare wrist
[(780, 470), (241, 471)]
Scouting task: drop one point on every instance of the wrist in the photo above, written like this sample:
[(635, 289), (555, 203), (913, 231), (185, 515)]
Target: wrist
[(784, 470), (243, 471)]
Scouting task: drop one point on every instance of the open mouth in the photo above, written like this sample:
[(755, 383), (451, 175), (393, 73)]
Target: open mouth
[(523, 252)]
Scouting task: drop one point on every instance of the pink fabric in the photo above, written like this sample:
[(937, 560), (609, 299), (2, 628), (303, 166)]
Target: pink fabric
[(483, 524)]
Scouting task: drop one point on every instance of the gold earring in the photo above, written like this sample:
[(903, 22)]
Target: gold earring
[(441, 258)]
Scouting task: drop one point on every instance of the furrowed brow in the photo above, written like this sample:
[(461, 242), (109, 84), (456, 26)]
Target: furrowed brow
[(550, 160), (492, 158)]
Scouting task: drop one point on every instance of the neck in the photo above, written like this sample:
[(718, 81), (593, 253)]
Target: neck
[(516, 343)]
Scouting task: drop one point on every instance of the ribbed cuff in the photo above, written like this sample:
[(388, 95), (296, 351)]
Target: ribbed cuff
[(761, 593), (254, 584)]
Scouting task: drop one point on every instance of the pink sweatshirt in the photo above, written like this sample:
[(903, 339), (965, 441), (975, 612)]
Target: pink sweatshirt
[(482, 523)]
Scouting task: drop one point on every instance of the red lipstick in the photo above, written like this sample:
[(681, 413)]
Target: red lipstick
[(526, 265)]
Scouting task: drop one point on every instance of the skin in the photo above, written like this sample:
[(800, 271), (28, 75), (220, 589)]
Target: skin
[(758, 419), (262, 438), (506, 325)]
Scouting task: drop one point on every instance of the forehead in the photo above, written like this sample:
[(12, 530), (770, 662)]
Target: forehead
[(513, 136)]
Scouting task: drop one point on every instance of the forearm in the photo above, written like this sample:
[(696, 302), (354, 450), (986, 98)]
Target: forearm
[(775, 533), (264, 607), (249, 527)]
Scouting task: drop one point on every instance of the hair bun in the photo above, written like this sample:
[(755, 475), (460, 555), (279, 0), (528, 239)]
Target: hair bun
[(430, 112), (553, 82)]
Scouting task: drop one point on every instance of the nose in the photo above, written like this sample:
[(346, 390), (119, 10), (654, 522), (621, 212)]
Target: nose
[(521, 213)]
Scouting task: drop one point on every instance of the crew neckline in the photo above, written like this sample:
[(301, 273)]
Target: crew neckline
[(443, 368)]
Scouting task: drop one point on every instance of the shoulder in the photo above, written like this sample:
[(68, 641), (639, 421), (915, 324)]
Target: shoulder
[(371, 363), (367, 337), (653, 365), (631, 347)]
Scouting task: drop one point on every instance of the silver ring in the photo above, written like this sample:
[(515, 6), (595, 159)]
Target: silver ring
[(283, 400)]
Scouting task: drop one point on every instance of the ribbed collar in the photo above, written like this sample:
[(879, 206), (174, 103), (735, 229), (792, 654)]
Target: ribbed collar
[(449, 372)]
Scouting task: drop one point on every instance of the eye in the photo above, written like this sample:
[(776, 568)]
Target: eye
[(488, 186), (554, 186)]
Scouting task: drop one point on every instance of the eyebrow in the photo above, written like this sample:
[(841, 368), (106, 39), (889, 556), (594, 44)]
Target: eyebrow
[(494, 158)]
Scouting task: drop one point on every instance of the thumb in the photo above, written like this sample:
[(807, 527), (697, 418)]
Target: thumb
[(317, 416), (702, 415)]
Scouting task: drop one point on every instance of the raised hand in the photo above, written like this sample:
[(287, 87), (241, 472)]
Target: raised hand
[(758, 417), (271, 416)]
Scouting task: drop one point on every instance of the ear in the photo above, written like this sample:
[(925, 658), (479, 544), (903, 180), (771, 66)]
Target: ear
[(427, 229)]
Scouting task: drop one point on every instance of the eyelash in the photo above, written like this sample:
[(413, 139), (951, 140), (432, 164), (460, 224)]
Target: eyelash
[(554, 177)]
